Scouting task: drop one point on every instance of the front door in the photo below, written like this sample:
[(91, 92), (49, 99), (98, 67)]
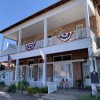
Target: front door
[(63, 71), (29, 75)]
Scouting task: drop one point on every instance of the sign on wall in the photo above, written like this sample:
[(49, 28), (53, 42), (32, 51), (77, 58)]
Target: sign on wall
[(94, 77)]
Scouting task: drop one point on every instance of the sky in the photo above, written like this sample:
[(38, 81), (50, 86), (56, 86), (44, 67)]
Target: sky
[(12, 11)]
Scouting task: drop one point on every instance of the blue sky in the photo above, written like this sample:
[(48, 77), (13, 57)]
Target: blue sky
[(12, 11)]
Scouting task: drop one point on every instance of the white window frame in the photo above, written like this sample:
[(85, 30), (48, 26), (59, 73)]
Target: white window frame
[(62, 57), (30, 60), (62, 31), (77, 30)]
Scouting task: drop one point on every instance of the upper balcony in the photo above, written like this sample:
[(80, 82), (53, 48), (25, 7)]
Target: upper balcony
[(63, 38), (68, 21)]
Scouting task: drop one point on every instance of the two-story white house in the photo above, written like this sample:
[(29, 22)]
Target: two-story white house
[(66, 33)]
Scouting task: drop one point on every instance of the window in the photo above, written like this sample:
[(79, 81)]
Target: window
[(98, 67), (62, 31), (67, 57), (29, 62), (20, 72), (21, 63), (40, 60), (50, 35), (79, 31), (58, 58), (63, 57), (40, 72)]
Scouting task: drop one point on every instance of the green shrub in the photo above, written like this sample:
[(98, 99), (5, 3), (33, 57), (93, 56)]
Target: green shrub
[(98, 96), (84, 97), (31, 90), (37, 89), (2, 84), (34, 90), (22, 85), (88, 88), (88, 97), (12, 88), (44, 90)]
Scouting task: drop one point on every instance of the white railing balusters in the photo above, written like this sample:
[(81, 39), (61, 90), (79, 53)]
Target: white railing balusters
[(77, 34)]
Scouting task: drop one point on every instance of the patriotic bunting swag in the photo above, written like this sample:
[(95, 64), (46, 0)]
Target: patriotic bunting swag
[(30, 46), (65, 37)]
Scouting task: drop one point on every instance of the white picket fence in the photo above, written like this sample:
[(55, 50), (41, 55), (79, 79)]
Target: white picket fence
[(52, 87)]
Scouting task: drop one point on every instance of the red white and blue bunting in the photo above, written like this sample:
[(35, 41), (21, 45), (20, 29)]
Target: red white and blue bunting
[(30, 46), (65, 37)]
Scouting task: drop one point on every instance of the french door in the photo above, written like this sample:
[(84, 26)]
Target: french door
[(29, 73), (40, 72), (63, 71)]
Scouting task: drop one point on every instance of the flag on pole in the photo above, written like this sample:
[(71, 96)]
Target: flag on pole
[(9, 60), (42, 55)]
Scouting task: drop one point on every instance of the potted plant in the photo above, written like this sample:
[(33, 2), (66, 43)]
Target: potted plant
[(79, 83)]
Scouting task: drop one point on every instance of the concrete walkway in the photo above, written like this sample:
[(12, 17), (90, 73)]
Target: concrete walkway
[(66, 94), (14, 96)]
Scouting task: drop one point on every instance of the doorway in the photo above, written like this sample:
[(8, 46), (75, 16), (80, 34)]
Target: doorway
[(63, 70), (86, 75)]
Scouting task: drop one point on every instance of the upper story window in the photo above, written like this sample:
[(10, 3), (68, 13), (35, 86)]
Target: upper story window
[(62, 31), (79, 31), (50, 35), (63, 57)]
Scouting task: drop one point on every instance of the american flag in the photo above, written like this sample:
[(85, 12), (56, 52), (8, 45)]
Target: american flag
[(42, 55), (9, 60)]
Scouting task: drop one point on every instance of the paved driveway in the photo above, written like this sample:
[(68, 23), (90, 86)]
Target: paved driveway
[(14, 96)]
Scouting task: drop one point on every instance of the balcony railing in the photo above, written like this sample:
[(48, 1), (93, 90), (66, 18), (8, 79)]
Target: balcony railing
[(77, 34)]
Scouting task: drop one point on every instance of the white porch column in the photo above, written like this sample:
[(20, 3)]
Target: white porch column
[(2, 43), (90, 52), (16, 69), (86, 6), (19, 39), (44, 70), (45, 32)]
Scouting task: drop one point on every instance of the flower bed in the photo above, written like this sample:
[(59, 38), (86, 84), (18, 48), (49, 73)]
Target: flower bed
[(24, 88)]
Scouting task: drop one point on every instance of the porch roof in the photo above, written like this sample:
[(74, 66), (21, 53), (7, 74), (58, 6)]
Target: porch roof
[(35, 14)]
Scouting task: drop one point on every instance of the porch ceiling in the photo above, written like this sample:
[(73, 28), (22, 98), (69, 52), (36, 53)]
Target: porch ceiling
[(60, 19)]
